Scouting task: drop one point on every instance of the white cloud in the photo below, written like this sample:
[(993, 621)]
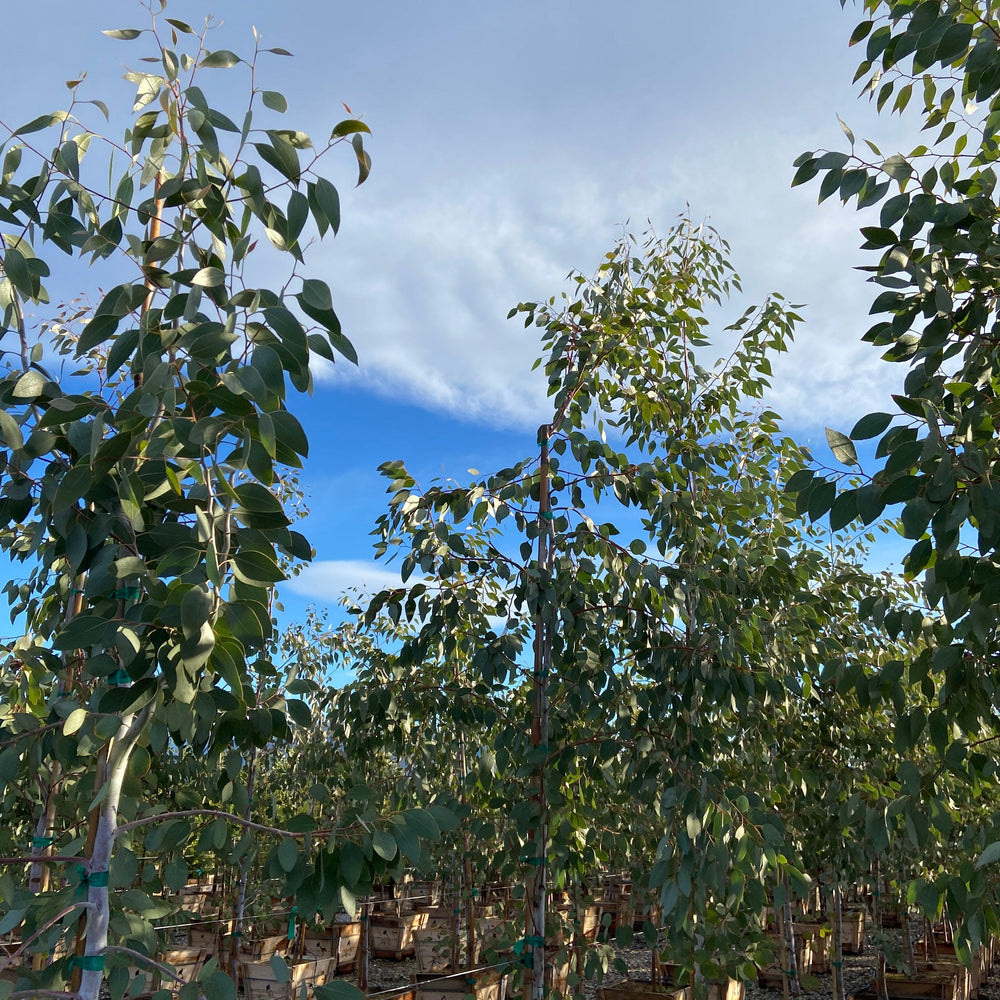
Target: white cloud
[(429, 323), (327, 580)]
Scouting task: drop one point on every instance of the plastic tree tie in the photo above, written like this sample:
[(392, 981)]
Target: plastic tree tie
[(291, 923), (529, 860), (127, 593), (89, 963), (237, 933), (475, 893), (42, 841), (92, 880), (837, 964), (548, 515), (120, 677), (531, 941)]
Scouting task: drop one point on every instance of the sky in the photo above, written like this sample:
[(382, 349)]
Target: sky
[(511, 141)]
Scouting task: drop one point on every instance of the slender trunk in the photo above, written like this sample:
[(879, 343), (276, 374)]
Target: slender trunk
[(837, 965), (538, 865), (363, 945), (904, 927), (881, 989), (579, 940), (100, 858), (470, 908), (241, 889), (794, 986), (456, 911)]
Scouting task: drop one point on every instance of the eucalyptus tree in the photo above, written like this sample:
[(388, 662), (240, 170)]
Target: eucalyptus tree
[(935, 267), (144, 439), (649, 543)]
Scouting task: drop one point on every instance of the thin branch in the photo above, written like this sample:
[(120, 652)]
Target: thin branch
[(219, 814), (145, 959), (46, 859), (83, 904)]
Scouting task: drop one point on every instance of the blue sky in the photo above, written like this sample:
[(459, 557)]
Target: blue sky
[(510, 142)]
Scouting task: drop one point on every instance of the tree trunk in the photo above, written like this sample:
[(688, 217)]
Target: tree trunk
[(538, 865), (837, 965), (100, 859)]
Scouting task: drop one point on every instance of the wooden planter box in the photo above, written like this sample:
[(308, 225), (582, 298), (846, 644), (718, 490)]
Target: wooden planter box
[(348, 945), (491, 932), (852, 933), (636, 989), (963, 976), (590, 921), (262, 948), (260, 983), (820, 937), (727, 989), (928, 986), (186, 962), (203, 937), (771, 977), (392, 937), (437, 917), (432, 947), (485, 984)]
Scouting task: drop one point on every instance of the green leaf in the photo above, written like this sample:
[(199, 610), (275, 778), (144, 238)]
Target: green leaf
[(10, 430), (328, 201), (821, 498), (352, 863), (16, 268), (42, 121), (209, 277), (125, 34), (423, 823), (288, 854), (280, 969), (338, 989), (870, 425), (844, 510), (281, 155), (989, 856), (364, 160), (350, 126), (842, 447), (275, 101), (384, 844), (74, 721), (221, 59)]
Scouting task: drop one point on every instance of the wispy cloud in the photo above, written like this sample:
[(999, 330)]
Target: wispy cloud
[(326, 580)]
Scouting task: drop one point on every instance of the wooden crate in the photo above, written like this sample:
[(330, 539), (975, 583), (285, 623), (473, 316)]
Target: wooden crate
[(321, 945), (928, 986), (852, 931), (432, 947), (186, 962), (349, 945), (963, 977), (726, 989), (820, 937), (392, 937), (261, 983), (485, 984), (637, 989)]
